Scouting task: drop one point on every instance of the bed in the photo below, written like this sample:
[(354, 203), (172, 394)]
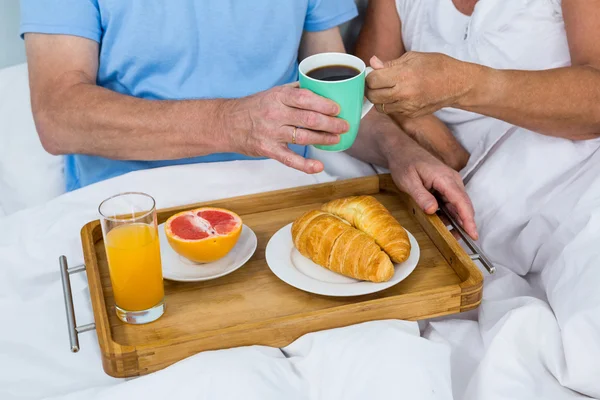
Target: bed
[(535, 335)]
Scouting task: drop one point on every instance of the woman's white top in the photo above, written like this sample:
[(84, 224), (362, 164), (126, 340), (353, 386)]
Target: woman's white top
[(502, 34), (524, 185), (537, 208)]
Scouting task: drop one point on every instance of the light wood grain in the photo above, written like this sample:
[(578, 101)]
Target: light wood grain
[(252, 306)]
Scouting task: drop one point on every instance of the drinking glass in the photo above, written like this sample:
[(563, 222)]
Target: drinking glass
[(132, 247)]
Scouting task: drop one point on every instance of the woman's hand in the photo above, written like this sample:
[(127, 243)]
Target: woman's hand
[(418, 84)]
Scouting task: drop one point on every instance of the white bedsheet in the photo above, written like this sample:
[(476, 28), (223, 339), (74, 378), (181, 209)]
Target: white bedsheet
[(537, 201), (375, 360), (534, 336)]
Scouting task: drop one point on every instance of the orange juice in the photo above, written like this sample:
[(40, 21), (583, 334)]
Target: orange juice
[(133, 253)]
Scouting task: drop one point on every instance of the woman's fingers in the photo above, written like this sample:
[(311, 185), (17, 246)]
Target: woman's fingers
[(376, 63), (386, 108), (381, 78), (386, 95)]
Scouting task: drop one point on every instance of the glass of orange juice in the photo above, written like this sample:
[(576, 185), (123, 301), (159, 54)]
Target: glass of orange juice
[(132, 248)]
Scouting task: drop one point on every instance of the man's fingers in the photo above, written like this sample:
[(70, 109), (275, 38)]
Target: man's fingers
[(451, 209), (424, 199), (308, 137), (459, 205), (306, 100), (448, 225), (454, 213), (295, 84), (318, 122), (413, 185), (293, 160)]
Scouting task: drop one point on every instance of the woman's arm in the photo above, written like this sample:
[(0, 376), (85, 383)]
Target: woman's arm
[(326, 41), (563, 102), (387, 143), (381, 34)]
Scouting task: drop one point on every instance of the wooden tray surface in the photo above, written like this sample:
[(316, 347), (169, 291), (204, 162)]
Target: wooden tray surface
[(251, 306)]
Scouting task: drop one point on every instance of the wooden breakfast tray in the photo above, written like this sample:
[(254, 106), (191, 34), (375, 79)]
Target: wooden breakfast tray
[(251, 306)]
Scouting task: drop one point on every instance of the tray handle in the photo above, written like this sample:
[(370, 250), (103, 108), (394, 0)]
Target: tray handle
[(74, 330), (477, 253)]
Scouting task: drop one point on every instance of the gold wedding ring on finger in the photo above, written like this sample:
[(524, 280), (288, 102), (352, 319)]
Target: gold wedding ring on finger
[(294, 135), (383, 108)]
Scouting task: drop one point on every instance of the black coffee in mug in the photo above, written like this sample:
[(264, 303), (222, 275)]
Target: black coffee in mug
[(333, 73)]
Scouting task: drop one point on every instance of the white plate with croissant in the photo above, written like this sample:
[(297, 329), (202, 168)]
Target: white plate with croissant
[(350, 247)]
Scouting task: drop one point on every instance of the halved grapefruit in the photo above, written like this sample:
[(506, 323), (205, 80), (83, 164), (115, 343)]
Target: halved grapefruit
[(205, 234)]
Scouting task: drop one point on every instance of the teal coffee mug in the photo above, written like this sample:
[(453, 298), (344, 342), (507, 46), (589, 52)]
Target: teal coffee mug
[(341, 78)]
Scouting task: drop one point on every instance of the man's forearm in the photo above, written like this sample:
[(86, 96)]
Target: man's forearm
[(87, 119), (378, 139), (434, 136)]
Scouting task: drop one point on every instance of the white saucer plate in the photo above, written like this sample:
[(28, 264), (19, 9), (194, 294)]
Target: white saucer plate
[(178, 268), (293, 268)]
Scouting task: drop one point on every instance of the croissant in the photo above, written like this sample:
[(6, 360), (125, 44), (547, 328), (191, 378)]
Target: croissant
[(367, 214), (336, 245)]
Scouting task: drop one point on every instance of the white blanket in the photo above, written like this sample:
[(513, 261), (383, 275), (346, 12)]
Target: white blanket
[(537, 201), (376, 360), (538, 210)]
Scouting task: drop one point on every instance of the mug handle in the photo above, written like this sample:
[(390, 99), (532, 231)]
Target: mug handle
[(367, 105)]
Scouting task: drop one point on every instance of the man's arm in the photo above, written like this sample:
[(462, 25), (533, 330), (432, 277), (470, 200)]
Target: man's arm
[(381, 35), (434, 136), (414, 170), (74, 115)]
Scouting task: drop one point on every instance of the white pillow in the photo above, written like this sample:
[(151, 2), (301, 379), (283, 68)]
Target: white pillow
[(28, 174)]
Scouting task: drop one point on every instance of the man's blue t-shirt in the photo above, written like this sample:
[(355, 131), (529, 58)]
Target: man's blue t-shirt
[(184, 49)]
